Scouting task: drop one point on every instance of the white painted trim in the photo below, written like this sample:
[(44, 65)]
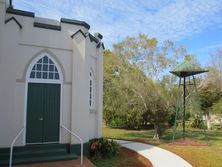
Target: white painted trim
[(61, 113), (53, 142), (31, 80), (25, 111), (43, 80)]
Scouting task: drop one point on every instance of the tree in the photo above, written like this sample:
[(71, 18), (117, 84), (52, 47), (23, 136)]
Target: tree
[(113, 96), (211, 89), (151, 58), (216, 69), (208, 95), (130, 98), (217, 109), (159, 109), (137, 85), (122, 99)]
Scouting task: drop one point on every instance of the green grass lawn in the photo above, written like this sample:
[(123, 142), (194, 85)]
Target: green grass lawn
[(198, 156)]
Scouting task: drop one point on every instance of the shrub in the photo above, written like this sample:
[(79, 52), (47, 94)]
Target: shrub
[(103, 148), (197, 123), (118, 122)]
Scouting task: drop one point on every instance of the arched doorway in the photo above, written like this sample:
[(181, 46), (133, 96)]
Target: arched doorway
[(44, 80)]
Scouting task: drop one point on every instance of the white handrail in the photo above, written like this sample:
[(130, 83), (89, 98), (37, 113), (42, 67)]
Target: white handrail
[(81, 141), (12, 145)]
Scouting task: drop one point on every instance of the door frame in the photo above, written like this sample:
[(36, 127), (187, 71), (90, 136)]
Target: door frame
[(29, 80)]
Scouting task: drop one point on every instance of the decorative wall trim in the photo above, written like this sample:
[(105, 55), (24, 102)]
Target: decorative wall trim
[(20, 12), (103, 46), (92, 38), (47, 26), (75, 22), (79, 31), (13, 18), (46, 47), (98, 35)]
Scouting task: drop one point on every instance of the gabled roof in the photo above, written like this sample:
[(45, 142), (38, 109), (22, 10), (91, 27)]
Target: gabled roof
[(187, 68)]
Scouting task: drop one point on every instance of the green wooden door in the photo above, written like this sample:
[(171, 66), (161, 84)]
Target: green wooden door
[(43, 113)]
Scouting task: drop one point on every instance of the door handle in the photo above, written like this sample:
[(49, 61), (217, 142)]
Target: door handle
[(41, 119)]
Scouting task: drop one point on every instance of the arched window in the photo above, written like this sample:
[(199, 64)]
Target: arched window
[(44, 69), (91, 90)]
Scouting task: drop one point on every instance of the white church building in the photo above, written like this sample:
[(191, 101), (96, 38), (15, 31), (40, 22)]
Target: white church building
[(51, 86)]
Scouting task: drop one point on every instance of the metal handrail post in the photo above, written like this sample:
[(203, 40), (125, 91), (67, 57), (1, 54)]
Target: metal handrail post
[(81, 142), (12, 145)]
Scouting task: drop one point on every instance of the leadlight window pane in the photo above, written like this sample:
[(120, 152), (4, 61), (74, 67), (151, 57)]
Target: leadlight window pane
[(44, 75), (40, 61), (34, 68), (51, 67), (32, 75), (50, 75), (39, 67), (90, 90), (56, 76), (38, 75), (50, 61), (45, 59), (44, 69)]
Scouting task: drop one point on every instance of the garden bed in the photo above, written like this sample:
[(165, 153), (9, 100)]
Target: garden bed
[(125, 157)]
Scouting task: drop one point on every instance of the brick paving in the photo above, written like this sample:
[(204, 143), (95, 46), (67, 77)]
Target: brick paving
[(69, 163)]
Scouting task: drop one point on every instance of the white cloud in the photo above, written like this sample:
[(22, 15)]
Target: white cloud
[(116, 19)]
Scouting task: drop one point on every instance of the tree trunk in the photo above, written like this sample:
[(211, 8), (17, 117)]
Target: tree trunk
[(207, 115), (220, 123), (156, 133)]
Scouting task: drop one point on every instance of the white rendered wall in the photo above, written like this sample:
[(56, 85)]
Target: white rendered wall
[(18, 47)]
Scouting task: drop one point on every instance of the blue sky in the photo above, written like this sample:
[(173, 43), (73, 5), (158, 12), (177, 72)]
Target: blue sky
[(196, 24)]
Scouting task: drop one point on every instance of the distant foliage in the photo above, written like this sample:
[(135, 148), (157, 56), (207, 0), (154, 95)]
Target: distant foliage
[(139, 91), (197, 122), (131, 100), (211, 89)]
